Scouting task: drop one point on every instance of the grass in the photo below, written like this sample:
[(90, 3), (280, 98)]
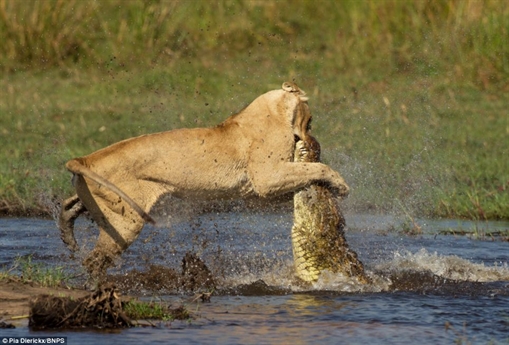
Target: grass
[(401, 36), (409, 97), (480, 231), (137, 310), (26, 270), (30, 271)]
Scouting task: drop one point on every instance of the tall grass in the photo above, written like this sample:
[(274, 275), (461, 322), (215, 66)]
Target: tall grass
[(466, 39)]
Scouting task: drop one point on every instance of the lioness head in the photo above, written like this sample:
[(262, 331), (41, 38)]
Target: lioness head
[(302, 115)]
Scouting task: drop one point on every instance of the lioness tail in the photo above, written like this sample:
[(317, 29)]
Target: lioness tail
[(76, 167)]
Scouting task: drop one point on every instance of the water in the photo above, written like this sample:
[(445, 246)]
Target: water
[(428, 288)]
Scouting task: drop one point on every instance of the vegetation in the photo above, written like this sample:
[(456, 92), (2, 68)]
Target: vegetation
[(137, 310), (30, 271), (25, 270), (409, 97)]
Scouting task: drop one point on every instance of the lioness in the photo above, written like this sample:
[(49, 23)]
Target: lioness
[(250, 154)]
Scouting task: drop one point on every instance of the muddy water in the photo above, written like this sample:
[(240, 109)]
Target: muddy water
[(421, 283)]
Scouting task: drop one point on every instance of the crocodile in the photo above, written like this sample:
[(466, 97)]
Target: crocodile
[(318, 238)]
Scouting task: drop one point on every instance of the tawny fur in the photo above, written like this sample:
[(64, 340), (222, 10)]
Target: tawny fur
[(248, 155)]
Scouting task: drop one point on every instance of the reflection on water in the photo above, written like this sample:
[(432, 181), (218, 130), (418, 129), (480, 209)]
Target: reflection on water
[(421, 283)]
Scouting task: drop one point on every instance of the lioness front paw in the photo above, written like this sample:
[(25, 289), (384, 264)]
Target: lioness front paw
[(340, 188), (344, 190), (341, 191)]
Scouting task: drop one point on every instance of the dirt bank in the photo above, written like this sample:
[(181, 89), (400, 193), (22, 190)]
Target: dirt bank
[(195, 276), (15, 296)]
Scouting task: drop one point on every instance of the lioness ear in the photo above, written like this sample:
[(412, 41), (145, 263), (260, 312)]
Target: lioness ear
[(292, 87)]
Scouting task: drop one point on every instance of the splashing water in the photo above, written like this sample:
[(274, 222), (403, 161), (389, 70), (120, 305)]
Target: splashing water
[(445, 266), (419, 283)]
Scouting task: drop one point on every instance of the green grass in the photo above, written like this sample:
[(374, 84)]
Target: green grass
[(38, 273), (464, 38), (137, 310), (409, 97)]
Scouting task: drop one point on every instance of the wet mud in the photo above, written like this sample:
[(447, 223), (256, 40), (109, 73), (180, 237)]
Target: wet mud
[(428, 283), (193, 277), (65, 308), (198, 279), (5, 325), (101, 309), (15, 295)]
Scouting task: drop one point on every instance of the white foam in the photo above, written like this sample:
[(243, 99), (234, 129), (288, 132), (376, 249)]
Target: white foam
[(446, 266)]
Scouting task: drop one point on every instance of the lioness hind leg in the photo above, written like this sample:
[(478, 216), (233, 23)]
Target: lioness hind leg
[(97, 262), (71, 209), (116, 234)]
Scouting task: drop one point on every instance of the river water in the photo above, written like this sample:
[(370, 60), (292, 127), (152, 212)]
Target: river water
[(429, 288)]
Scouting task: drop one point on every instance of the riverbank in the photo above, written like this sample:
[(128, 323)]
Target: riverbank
[(15, 296)]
